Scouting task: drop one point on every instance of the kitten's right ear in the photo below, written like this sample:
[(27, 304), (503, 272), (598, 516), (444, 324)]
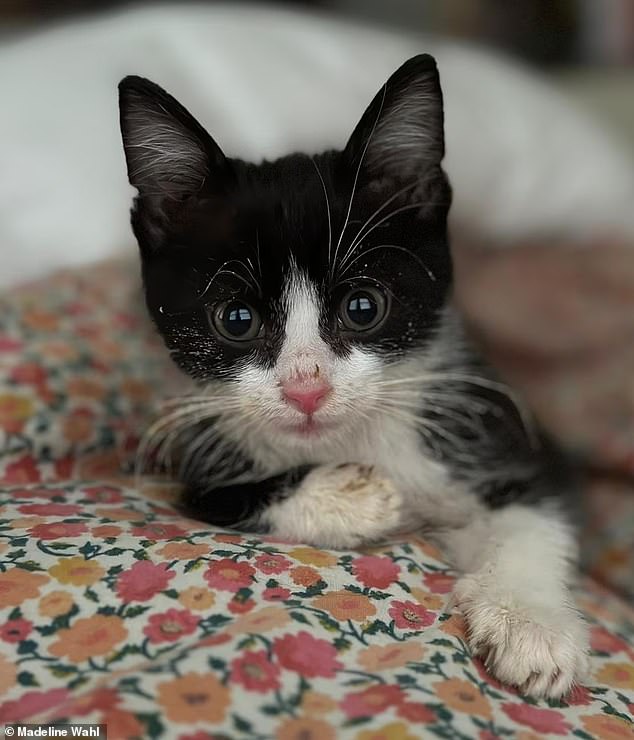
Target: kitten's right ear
[(168, 152), (400, 135)]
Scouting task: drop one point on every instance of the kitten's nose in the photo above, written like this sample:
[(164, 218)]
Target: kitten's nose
[(306, 397)]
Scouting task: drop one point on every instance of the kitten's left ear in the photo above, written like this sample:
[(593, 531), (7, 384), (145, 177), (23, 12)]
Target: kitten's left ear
[(168, 153), (400, 135)]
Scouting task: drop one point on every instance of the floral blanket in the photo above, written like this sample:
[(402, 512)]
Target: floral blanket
[(115, 608)]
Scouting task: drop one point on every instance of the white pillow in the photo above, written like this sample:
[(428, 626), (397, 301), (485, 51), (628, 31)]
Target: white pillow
[(265, 82)]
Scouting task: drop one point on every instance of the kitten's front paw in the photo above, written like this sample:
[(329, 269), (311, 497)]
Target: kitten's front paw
[(540, 650), (338, 506)]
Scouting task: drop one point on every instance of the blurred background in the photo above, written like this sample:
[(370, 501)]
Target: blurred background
[(267, 78), (548, 32), (587, 44)]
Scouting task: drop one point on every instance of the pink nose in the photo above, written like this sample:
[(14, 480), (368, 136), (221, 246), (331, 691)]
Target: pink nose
[(306, 398)]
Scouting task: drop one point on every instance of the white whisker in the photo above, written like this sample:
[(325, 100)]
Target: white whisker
[(384, 205), (356, 178), (365, 253), (323, 184)]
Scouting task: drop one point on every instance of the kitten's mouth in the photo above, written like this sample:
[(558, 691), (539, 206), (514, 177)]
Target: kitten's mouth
[(308, 427)]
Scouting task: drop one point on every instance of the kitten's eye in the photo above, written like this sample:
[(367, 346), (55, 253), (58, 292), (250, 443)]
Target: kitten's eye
[(363, 309), (236, 321)]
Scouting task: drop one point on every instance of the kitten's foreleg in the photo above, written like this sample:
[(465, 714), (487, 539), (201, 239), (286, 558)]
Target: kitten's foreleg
[(337, 506), (517, 566)]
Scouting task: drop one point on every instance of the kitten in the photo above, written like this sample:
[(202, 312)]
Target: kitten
[(340, 402)]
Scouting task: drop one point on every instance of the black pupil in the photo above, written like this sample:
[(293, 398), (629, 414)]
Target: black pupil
[(237, 319), (362, 308)]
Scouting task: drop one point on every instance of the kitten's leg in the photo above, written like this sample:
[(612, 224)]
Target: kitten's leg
[(514, 593), (338, 506)]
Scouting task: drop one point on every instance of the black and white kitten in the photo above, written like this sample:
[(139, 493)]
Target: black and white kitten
[(339, 402)]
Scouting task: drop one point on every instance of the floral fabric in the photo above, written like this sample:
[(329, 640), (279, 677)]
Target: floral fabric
[(116, 608)]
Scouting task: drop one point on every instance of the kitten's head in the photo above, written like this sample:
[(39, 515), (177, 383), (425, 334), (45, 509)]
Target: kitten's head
[(295, 289)]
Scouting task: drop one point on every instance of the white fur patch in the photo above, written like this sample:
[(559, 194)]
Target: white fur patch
[(342, 507), (516, 600), (302, 318)]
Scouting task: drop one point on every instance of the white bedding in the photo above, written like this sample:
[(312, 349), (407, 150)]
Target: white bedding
[(267, 81)]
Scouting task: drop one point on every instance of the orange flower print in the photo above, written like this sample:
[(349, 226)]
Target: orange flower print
[(197, 598), (136, 390), (463, 697), (262, 620), (314, 703), (45, 321), (85, 388), (161, 491), (303, 575), (77, 571), (17, 585), (305, 729), (619, 675), (119, 514), (455, 626), (428, 549), (104, 350), (158, 530), (57, 350), (183, 551), (430, 601), (606, 727), (89, 637), (55, 603), (312, 556), (79, 425), (378, 657), (194, 697), (8, 674), (344, 605), (100, 465), (14, 412), (26, 522), (391, 731)]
